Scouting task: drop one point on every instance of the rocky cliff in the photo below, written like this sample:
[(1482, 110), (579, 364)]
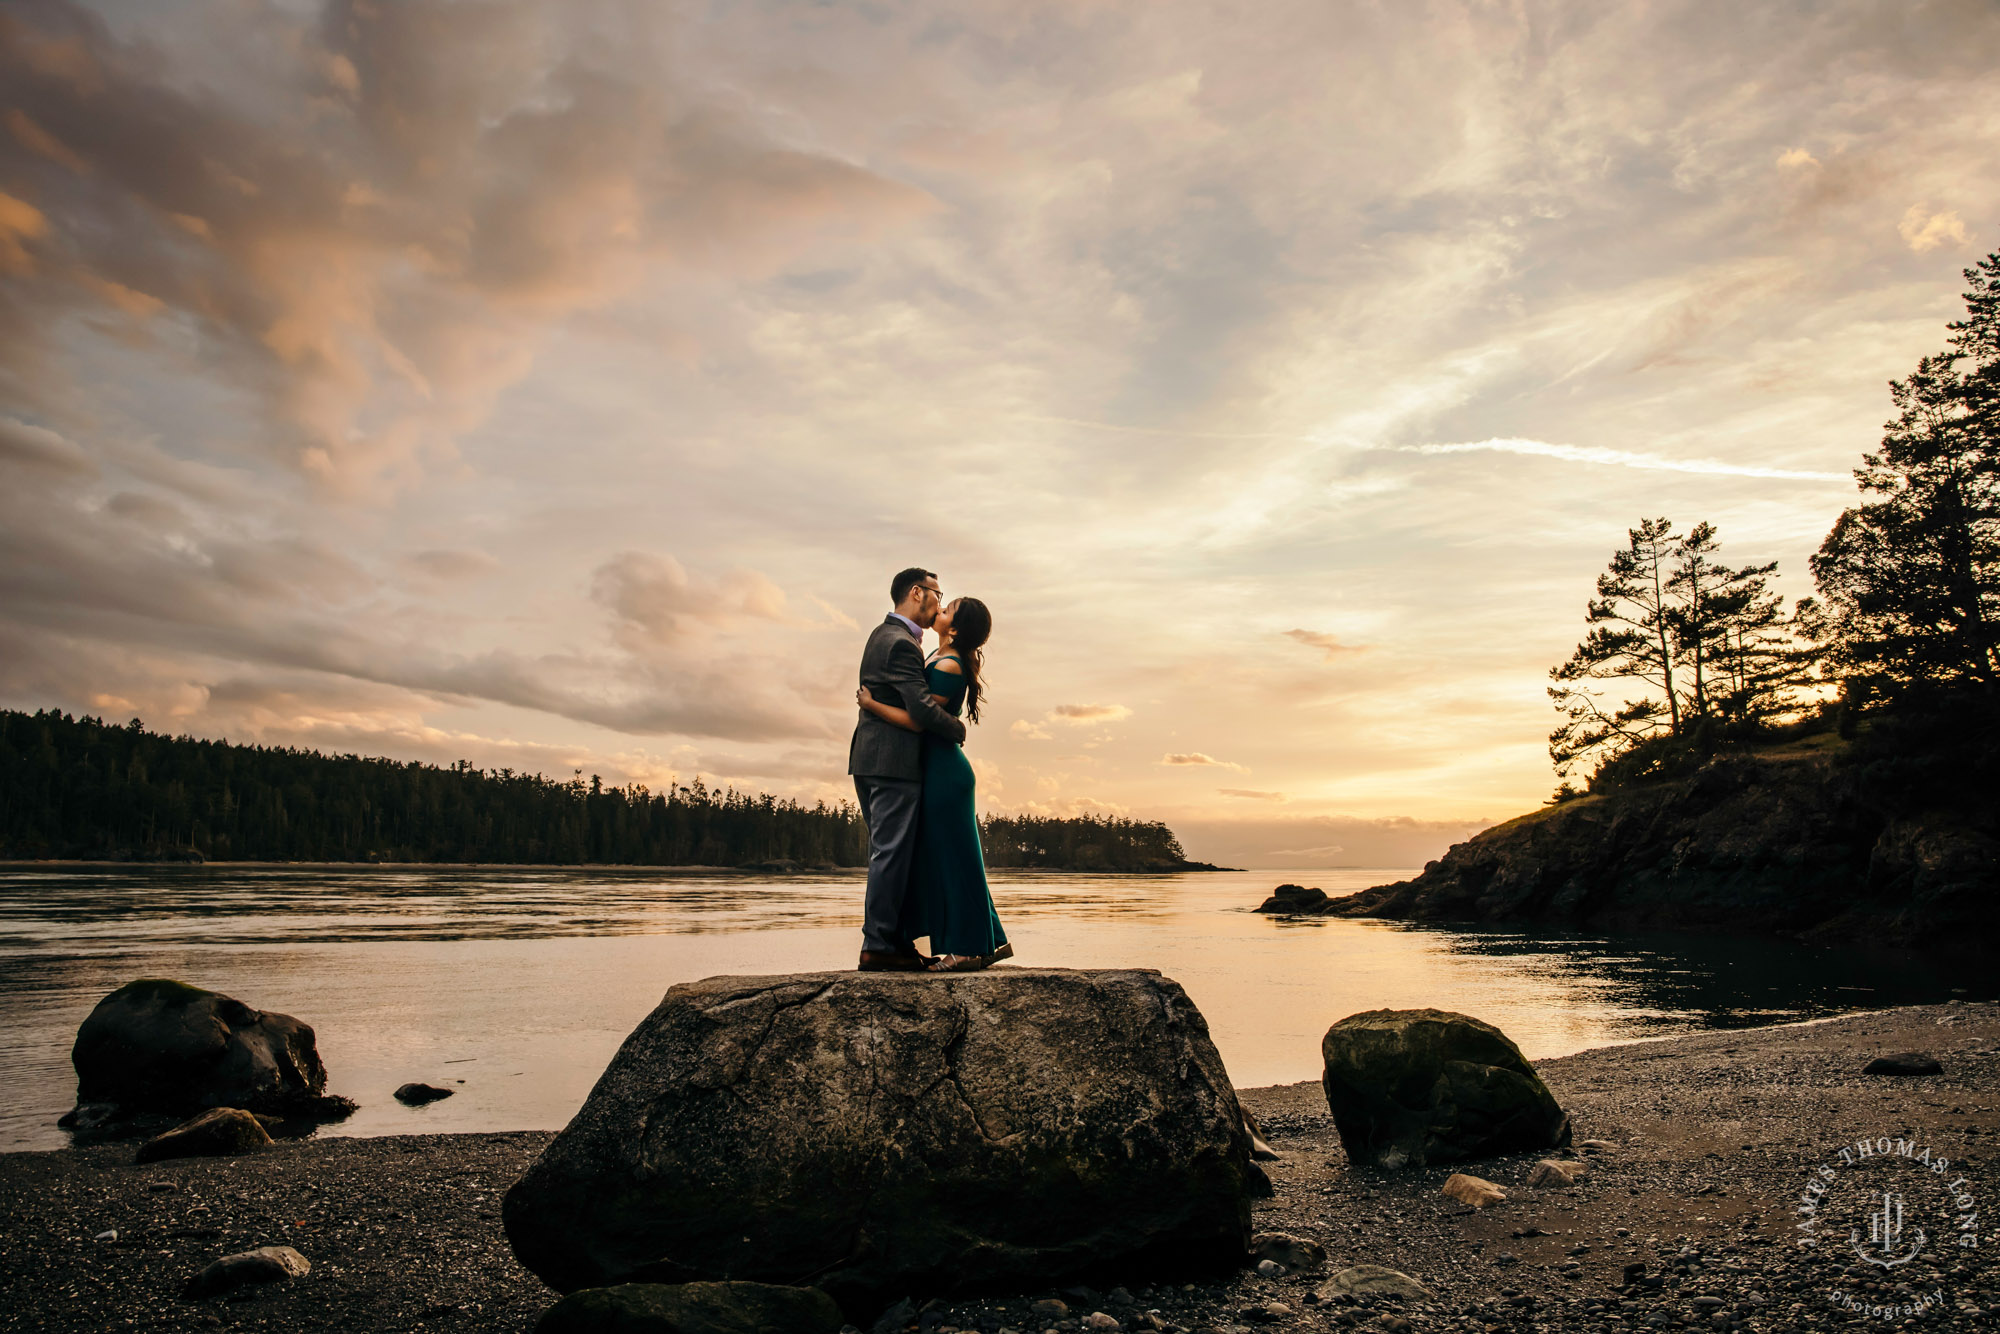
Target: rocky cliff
[(1787, 840)]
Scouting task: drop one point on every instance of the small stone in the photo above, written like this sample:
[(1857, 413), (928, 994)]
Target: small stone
[(1393, 1323), (1598, 1146), (1100, 1321), (160, 1187), (1903, 1063), (1048, 1308), (1551, 1173), (266, 1264), (1288, 1252), (216, 1132), (416, 1095), (1710, 1302), (1270, 1268), (1371, 1281), (111, 1235), (1119, 1296), (1475, 1191), (1264, 1313), (1506, 1258)]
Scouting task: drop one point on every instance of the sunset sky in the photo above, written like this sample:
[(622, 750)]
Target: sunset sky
[(558, 385)]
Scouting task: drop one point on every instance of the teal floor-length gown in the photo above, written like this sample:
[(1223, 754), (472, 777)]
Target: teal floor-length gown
[(954, 906)]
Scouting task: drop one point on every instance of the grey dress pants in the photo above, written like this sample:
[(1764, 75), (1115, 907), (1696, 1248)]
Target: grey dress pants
[(889, 806)]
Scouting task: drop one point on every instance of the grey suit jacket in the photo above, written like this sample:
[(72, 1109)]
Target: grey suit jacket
[(892, 667)]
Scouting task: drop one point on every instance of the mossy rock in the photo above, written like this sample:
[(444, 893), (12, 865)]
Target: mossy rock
[(1413, 1087)]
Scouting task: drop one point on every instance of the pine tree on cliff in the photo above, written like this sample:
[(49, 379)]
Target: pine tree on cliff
[(1631, 639), (1689, 637), (1911, 577)]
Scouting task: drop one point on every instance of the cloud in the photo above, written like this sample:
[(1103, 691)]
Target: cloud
[(450, 565), (373, 235), (42, 450), (1324, 850), (1028, 731), (1795, 158), (1197, 758), (657, 602), (1250, 794), (92, 583), (1923, 230), (20, 222), (1079, 715), (1622, 458), (1326, 643)]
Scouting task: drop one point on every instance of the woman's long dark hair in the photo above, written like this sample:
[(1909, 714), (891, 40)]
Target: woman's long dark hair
[(971, 625)]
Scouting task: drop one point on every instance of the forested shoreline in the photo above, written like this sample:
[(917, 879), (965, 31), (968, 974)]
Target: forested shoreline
[(83, 789)]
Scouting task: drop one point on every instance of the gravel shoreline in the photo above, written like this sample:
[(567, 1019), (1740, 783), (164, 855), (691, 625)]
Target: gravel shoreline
[(1716, 1136)]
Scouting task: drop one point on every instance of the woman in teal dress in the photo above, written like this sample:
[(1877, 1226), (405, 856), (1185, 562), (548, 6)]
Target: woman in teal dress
[(953, 905)]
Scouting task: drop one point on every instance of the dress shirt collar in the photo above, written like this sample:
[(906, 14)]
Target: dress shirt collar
[(916, 631)]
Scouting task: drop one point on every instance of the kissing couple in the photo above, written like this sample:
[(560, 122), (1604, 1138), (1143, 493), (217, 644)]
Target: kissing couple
[(926, 872)]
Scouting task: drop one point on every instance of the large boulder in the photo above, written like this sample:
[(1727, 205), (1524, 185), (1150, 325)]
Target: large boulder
[(876, 1134), (693, 1308), (1411, 1087), (156, 1046)]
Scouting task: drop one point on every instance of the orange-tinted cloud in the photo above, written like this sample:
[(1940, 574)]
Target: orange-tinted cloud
[(463, 184)]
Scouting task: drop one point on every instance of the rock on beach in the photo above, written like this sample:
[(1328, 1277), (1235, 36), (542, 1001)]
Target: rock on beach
[(1475, 1191), (266, 1264), (693, 1308), (215, 1133), (159, 1046), (1413, 1087), (1554, 1173), (1373, 1281), (877, 1134)]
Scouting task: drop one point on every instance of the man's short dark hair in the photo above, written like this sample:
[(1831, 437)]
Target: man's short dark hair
[(904, 581)]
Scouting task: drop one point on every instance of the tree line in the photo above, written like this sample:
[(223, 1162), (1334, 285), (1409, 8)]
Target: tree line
[(75, 787), (1685, 652)]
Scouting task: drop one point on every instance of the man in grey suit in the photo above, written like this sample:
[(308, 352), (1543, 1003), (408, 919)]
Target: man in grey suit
[(887, 764)]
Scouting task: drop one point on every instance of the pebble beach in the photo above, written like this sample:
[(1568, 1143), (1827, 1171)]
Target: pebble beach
[(1684, 1216)]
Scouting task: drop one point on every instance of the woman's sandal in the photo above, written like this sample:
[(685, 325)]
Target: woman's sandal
[(970, 963)]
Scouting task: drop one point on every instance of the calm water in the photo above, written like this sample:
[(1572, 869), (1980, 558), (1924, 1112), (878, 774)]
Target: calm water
[(515, 986)]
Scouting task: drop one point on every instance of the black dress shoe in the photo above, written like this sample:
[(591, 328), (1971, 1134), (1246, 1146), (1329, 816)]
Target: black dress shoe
[(882, 961)]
